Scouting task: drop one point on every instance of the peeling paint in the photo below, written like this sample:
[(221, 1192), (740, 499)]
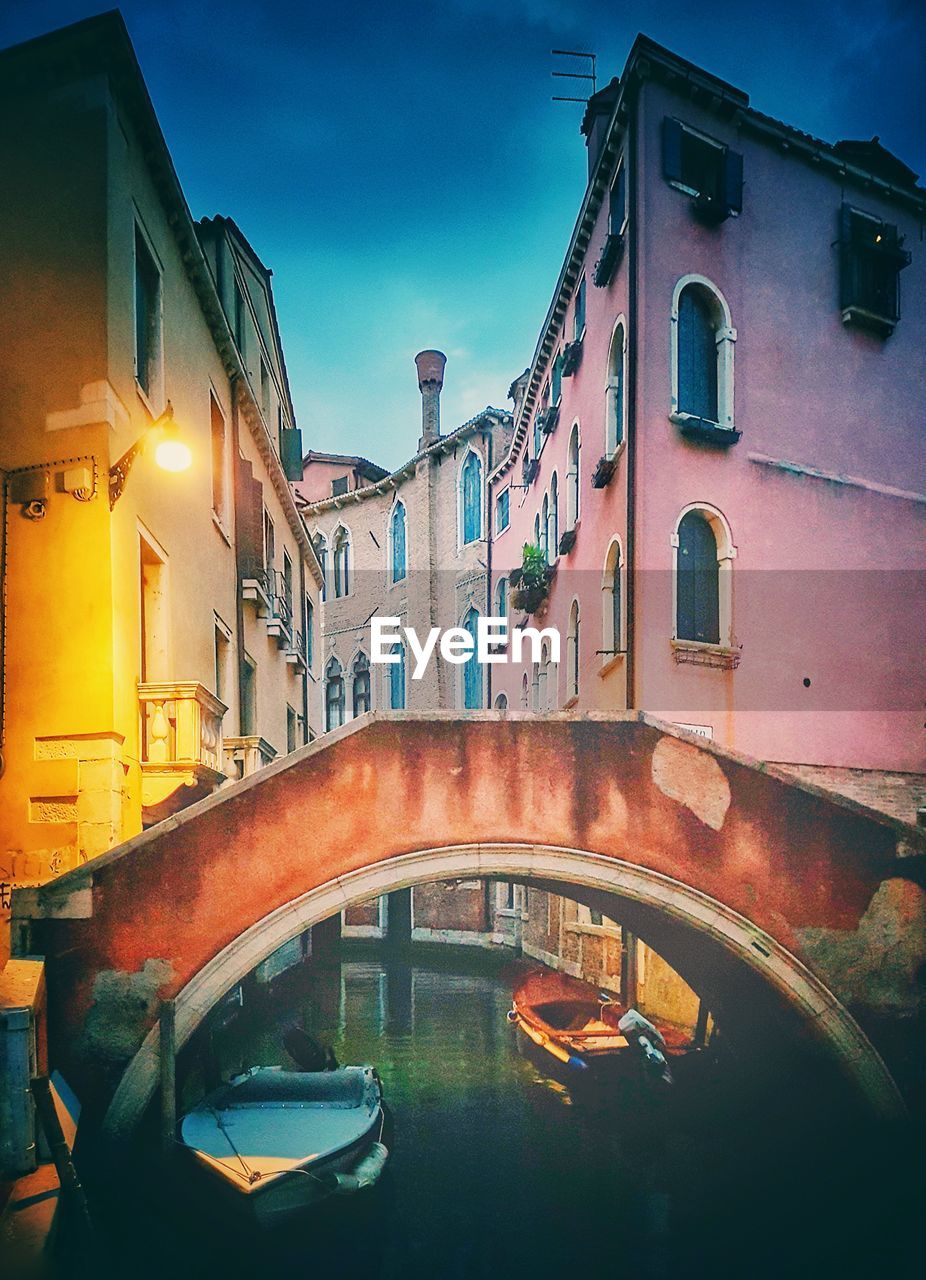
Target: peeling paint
[(124, 1007), (693, 778), (879, 963)]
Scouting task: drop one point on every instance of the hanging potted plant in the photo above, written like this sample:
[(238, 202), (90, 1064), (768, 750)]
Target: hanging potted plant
[(530, 583)]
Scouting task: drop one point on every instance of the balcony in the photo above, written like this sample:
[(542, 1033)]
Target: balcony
[(245, 755), (257, 585), (181, 745), (279, 619), (295, 651), (572, 357), (548, 418)]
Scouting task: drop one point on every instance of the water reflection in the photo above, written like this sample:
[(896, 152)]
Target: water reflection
[(497, 1168)]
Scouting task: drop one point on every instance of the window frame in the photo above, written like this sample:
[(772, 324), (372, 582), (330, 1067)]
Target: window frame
[(726, 554), (394, 580), (463, 541), (613, 443), (725, 340), (613, 647), (151, 389)]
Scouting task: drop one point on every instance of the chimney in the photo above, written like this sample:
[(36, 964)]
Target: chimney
[(430, 380)]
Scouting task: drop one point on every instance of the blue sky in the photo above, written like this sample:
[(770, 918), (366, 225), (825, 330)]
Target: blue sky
[(402, 169)]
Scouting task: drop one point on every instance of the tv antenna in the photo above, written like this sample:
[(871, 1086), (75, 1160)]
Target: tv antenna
[(588, 74)]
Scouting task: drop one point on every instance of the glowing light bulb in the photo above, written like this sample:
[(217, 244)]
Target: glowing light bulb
[(172, 454)]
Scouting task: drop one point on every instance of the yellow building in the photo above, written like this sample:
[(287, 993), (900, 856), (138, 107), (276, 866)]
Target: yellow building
[(157, 624)]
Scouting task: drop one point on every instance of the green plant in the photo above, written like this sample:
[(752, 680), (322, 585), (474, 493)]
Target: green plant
[(532, 580)]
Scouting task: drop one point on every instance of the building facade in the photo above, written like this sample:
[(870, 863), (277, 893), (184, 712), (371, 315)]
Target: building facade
[(717, 447), (411, 545), (154, 624)]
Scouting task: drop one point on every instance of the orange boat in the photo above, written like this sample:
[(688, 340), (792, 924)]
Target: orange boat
[(579, 1025)]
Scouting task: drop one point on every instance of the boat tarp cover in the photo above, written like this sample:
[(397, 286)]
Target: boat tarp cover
[(342, 1089)]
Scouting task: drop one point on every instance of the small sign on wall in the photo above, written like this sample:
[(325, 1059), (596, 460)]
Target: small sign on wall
[(702, 730)]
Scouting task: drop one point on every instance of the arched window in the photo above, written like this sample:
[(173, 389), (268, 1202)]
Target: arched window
[(537, 542), (397, 528), (545, 698), (702, 356), (615, 411), (501, 702), (553, 520), (320, 543), (341, 558), (573, 652), (334, 695), (535, 686), (397, 678), (525, 692), (697, 582), (471, 484), (572, 479), (501, 598), (612, 601), (472, 668), (544, 527), (361, 690)]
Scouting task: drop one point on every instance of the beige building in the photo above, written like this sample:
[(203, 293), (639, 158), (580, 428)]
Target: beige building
[(157, 623), (410, 545)]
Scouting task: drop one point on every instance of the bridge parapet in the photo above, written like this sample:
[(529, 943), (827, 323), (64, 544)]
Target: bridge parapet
[(833, 886)]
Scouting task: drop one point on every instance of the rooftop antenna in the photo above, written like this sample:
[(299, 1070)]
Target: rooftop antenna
[(588, 74)]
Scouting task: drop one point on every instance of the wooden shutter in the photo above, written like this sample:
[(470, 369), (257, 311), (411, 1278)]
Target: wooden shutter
[(249, 529), (697, 582), (291, 452), (733, 182), (697, 357), (672, 149)]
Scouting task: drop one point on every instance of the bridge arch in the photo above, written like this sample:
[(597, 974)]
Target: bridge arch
[(816, 1006), (816, 895)]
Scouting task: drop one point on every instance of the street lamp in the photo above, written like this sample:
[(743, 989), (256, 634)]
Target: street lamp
[(171, 453)]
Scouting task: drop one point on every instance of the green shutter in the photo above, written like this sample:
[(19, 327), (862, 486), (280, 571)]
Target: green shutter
[(291, 452)]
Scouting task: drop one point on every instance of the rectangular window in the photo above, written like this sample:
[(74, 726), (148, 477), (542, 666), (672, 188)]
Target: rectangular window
[(871, 260), (239, 318), (292, 729), (556, 380), (338, 486), (579, 328), (706, 169), (288, 586), (618, 208), (265, 390), (222, 660), (147, 317), (219, 463), (248, 698), (502, 513), (269, 542)]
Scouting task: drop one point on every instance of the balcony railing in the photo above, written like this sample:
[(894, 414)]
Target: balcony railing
[(245, 755), (295, 650), (181, 741)]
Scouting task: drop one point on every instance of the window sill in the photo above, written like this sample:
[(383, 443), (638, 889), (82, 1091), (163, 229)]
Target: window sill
[(146, 401), (704, 429), (700, 654), (594, 930), (610, 662), (570, 702), (220, 525), (861, 318)]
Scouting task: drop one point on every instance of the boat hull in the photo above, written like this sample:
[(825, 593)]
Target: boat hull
[(273, 1144)]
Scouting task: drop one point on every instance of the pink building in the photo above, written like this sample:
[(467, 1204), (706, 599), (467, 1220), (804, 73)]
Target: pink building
[(719, 442)]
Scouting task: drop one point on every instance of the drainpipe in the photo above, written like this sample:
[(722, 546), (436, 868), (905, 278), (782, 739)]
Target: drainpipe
[(305, 634), (239, 606), (489, 510), (634, 327)]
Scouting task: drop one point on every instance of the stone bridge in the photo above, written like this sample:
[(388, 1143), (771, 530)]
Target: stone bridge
[(776, 900)]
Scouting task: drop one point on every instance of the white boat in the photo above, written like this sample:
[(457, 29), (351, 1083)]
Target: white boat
[(283, 1140)]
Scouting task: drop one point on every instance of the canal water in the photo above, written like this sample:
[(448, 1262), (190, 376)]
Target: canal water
[(498, 1170)]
